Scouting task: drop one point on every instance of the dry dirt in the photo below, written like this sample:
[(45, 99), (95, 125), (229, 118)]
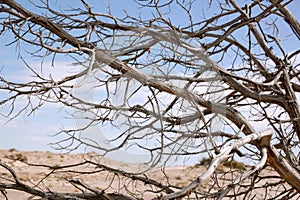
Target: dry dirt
[(58, 180)]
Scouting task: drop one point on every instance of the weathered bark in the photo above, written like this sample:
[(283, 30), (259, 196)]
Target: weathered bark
[(277, 86)]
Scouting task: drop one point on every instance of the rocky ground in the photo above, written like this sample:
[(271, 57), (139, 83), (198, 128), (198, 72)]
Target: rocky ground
[(57, 180)]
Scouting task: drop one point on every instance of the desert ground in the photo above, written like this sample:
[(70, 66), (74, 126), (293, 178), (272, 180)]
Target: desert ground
[(31, 169)]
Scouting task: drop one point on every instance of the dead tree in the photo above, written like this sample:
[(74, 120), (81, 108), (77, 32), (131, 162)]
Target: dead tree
[(223, 85)]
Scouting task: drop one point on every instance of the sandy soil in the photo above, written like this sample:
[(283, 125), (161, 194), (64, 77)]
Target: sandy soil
[(58, 180)]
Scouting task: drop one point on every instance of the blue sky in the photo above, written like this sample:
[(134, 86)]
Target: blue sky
[(34, 132)]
